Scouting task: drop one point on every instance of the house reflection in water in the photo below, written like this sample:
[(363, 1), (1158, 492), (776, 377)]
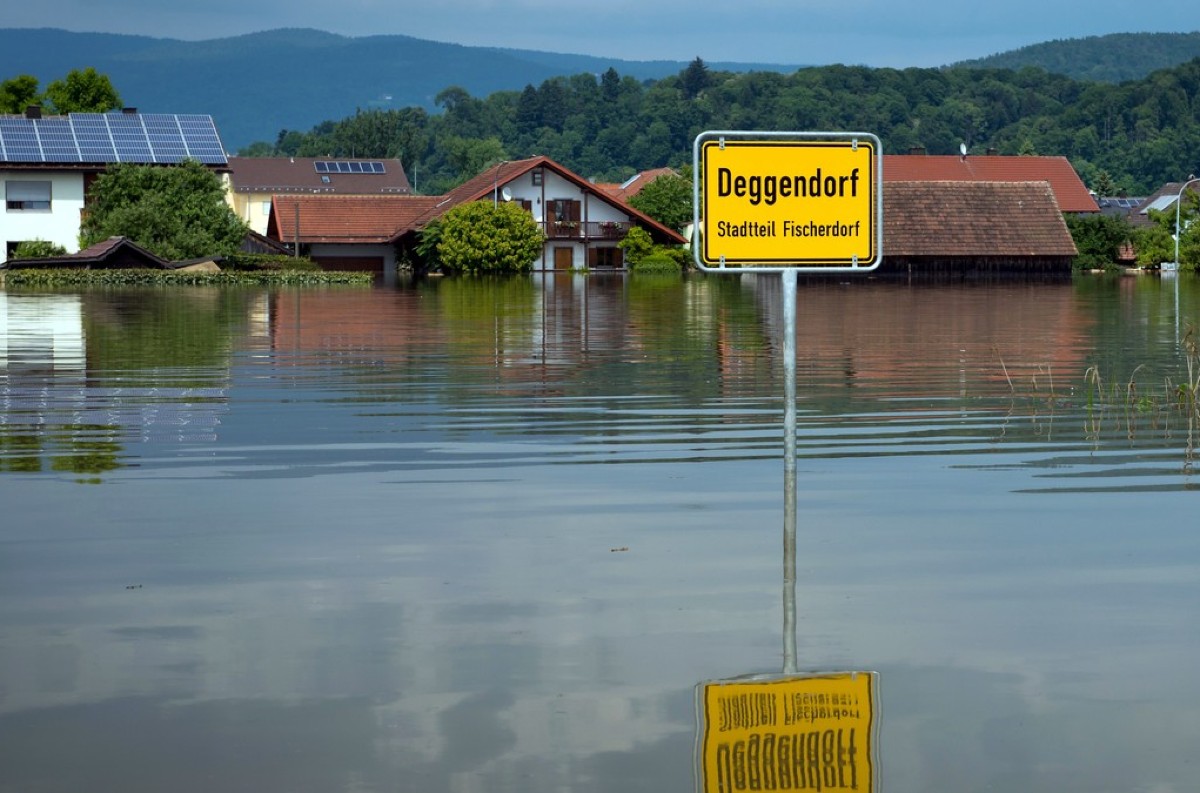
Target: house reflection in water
[(53, 417)]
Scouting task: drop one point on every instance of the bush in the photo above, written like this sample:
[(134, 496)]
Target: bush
[(38, 249), (482, 237), (268, 261), (657, 262), (637, 245)]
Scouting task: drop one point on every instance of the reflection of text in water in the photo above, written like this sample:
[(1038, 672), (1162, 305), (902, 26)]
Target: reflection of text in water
[(819, 760)]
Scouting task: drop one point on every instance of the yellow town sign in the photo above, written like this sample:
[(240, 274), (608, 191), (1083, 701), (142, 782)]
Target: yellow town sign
[(788, 203)]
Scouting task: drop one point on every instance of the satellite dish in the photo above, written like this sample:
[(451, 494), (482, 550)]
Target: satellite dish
[(962, 147), (506, 194)]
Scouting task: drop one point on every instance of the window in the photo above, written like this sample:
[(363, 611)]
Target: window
[(27, 196), (536, 177)]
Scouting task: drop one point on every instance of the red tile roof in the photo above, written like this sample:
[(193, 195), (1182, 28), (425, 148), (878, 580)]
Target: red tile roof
[(385, 218), (299, 175), (345, 218), (632, 186), (1072, 195), (973, 219)]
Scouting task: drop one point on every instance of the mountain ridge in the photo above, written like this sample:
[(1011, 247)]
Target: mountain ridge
[(256, 85)]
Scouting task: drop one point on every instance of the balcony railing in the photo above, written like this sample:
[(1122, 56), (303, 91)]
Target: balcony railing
[(586, 230)]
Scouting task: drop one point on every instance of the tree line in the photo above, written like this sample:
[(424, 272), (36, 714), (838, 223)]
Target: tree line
[(1128, 138), (81, 91)]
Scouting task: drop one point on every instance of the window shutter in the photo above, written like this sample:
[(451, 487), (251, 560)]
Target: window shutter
[(27, 191)]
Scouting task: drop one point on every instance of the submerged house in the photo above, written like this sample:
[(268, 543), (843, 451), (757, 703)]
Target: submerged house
[(254, 181), (974, 228), (347, 232), (47, 164), (582, 223)]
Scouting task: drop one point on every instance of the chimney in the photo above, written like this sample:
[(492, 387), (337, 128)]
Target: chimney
[(916, 150), (129, 111), (992, 152), (33, 111)]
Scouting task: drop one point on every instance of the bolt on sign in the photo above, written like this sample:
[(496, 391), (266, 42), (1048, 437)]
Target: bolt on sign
[(768, 201), (815, 732)]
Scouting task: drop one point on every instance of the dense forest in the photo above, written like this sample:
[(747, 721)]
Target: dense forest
[(1127, 138), (1114, 58)]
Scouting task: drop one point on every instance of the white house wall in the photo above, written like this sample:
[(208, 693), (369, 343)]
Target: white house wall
[(594, 209), (554, 187), (59, 224)]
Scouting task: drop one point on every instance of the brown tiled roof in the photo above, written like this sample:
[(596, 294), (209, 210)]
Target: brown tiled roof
[(1069, 190), (345, 218), (976, 219), (112, 252), (299, 175)]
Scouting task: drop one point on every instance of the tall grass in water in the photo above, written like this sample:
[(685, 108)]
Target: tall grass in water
[(1134, 405)]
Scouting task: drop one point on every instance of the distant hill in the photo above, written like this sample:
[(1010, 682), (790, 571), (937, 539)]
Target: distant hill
[(258, 84), (1115, 58)]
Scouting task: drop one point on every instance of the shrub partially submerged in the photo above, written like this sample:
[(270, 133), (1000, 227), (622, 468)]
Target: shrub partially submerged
[(267, 261)]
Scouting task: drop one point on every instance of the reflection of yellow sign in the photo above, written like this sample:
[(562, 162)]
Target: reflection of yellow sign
[(781, 203), (796, 733)]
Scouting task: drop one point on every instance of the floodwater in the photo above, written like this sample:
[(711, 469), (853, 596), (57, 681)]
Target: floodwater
[(476, 535)]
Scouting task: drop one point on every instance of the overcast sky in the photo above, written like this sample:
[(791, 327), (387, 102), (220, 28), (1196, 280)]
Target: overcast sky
[(801, 32)]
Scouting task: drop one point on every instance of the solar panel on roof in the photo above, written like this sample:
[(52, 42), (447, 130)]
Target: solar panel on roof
[(110, 138), (58, 140), (349, 166)]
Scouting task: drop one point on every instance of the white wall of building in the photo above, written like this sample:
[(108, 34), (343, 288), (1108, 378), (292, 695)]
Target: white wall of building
[(59, 224), (554, 187)]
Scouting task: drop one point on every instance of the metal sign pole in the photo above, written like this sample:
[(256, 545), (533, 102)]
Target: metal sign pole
[(788, 280)]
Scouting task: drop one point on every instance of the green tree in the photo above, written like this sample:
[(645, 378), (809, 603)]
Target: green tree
[(1154, 245), (82, 91), (469, 156), (482, 237), (1104, 185), (694, 79), (178, 212), (18, 94), (1098, 239), (668, 199)]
